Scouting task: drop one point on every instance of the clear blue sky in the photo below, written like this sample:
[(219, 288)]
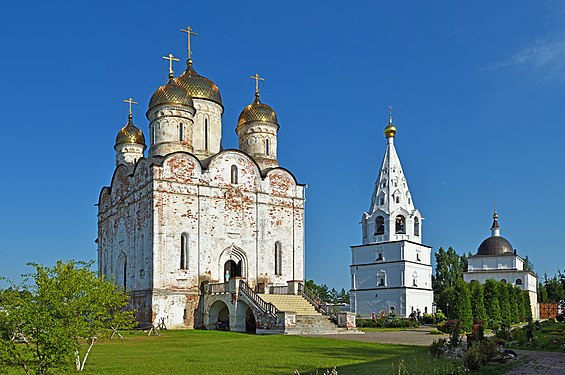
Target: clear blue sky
[(477, 88)]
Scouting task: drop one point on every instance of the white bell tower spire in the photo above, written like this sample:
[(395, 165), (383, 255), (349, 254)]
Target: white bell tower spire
[(392, 215)]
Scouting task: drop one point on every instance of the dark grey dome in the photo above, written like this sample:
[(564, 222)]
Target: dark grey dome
[(495, 245)]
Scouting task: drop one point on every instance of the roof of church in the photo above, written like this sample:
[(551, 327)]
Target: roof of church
[(130, 134), (495, 246), (257, 111), (198, 87), (171, 93), (391, 182)]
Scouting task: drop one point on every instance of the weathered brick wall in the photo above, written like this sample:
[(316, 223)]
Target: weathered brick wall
[(145, 215)]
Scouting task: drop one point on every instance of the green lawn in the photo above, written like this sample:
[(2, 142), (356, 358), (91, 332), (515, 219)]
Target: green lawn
[(214, 352)]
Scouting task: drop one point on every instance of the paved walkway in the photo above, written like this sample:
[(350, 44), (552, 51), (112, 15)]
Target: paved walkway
[(417, 336), (529, 362), (546, 363)]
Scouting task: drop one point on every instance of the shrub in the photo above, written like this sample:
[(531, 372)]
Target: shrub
[(427, 319), (479, 354), (370, 323), (440, 317), (437, 348), (435, 332)]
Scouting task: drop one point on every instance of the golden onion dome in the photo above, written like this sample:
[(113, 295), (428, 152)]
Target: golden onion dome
[(257, 111), (171, 93), (130, 134), (197, 86), (390, 130)]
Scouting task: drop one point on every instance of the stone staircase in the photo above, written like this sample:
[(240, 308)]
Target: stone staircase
[(308, 320)]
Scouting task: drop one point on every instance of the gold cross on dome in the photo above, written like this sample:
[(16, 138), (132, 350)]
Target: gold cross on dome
[(130, 101), (171, 58), (257, 79), (189, 32), (390, 110)]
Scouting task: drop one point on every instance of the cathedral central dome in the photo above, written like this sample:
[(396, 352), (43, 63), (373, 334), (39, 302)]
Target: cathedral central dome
[(197, 86), (259, 112)]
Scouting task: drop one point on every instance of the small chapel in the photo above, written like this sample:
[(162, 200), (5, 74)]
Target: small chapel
[(496, 259), (391, 270), (204, 236)]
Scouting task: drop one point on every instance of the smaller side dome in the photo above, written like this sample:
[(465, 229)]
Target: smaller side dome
[(130, 134), (259, 112), (171, 93)]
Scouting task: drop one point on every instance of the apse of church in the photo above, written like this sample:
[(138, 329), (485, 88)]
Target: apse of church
[(189, 211)]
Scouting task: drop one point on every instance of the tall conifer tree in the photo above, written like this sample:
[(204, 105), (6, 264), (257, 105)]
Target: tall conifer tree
[(492, 305), (504, 301), (477, 301), (462, 305)]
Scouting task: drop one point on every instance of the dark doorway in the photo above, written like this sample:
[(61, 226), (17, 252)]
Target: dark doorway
[(250, 324), (231, 270)]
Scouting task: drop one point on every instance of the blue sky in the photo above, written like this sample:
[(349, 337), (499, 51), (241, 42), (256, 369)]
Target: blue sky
[(477, 88)]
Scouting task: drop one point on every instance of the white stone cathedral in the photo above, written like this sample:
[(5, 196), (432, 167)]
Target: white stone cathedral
[(391, 271), (190, 211)]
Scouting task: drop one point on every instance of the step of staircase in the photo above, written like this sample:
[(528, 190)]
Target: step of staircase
[(294, 303), (308, 320)]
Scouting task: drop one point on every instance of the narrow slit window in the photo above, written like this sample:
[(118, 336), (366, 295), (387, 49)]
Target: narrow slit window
[(180, 132), (184, 251), (267, 146), (234, 174), (205, 134), (278, 258)]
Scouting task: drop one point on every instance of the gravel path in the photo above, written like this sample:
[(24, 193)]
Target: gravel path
[(416, 336)]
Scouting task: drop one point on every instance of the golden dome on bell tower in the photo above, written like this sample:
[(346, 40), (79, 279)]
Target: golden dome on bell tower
[(390, 130)]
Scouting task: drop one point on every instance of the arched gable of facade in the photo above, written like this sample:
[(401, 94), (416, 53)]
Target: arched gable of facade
[(235, 254)]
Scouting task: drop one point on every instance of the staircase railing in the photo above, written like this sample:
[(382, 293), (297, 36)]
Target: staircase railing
[(266, 307), (320, 305), (218, 288)]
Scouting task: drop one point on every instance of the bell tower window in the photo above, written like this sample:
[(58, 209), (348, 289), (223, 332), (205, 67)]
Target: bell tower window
[(416, 226), (380, 225), (400, 225)]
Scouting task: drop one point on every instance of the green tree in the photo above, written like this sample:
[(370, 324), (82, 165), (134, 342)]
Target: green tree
[(528, 265), (513, 304), (477, 301), (542, 293), (554, 288), (527, 306), (449, 269), (520, 302), (492, 305), (461, 308), (504, 301), (66, 306)]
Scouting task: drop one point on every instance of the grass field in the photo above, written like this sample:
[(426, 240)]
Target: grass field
[(215, 352)]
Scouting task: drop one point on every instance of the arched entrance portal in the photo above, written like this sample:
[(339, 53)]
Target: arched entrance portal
[(231, 270), (250, 323), (219, 316)]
